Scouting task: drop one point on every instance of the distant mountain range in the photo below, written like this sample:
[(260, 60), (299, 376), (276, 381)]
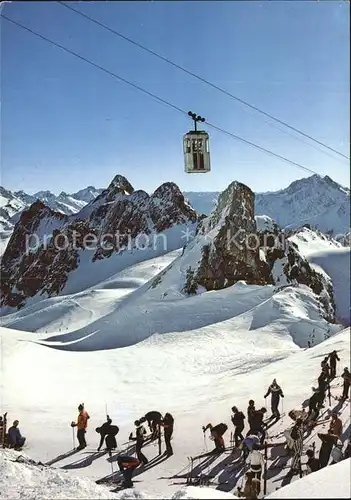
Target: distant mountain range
[(318, 201)]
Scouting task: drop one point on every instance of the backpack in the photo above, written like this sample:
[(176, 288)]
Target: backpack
[(220, 428), (114, 430)]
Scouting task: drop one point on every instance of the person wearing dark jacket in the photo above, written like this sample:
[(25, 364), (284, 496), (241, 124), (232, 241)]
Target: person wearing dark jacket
[(168, 424), (238, 421), (153, 419), (313, 404), (250, 411), (127, 465), (347, 382), (109, 432), (14, 436), (217, 435), (139, 438), (325, 368), (322, 387), (312, 462), (333, 358), (276, 392), (257, 424)]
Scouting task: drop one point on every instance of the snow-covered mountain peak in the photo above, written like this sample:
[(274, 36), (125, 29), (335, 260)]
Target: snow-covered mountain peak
[(120, 184)]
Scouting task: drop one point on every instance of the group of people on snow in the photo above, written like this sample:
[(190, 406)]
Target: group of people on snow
[(251, 444), (108, 432)]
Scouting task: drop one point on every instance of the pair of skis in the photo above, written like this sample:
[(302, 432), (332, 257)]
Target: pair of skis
[(3, 430)]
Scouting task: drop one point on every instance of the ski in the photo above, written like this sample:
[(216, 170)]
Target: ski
[(213, 453), (3, 430)]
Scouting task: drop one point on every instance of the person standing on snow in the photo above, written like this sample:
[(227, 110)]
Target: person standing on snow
[(313, 402), (140, 431), (257, 425), (238, 421), (250, 411), (336, 453), (248, 443), (168, 423), (347, 382), (333, 358), (329, 439), (312, 463), (252, 487), (297, 436), (325, 368), (82, 424), (256, 461), (275, 390)]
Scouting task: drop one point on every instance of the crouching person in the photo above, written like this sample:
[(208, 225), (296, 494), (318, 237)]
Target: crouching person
[(14, 437), (252, 487), (127, 466)]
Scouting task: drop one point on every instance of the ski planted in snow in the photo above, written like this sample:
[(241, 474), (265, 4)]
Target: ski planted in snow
[(3, 430)]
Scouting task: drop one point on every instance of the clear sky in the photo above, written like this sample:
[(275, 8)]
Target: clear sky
[(66, 125)]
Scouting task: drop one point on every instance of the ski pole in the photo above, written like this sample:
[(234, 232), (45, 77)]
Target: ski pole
[(73, 437)]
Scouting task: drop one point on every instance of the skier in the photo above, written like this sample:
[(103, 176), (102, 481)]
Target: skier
[(168, 424), (109, 432), (325, 368), (252, 487), (293, 435), (322, 387), (335, 428), (248, 443), (336, 453), (217, 435), (312, 462), (82, 423), (275, 390), (297, 436), (329, 439), (257, 424), (250, 412), (347, 382), (153, 419), (333, 358), (140, 431), (256, 461), (313, 403), (14, 437), (127, 465), (238, 421), (325, 450)]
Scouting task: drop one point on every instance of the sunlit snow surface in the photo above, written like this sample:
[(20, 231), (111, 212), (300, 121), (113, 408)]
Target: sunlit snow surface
[(135, 349)]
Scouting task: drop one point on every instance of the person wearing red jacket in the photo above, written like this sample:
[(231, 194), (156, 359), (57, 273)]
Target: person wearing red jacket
[(82, 423)]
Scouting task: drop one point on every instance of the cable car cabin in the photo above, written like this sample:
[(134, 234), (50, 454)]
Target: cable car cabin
[(196, 152)]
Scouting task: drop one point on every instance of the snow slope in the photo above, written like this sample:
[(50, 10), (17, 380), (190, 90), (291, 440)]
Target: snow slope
[(314, 200), (331, 257), (331, 482), (73, 311), (197, 376)]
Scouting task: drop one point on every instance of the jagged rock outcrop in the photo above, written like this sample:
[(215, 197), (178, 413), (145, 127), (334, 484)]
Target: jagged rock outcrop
[(110, 223), (25, 263), (231, 252), (233, 249)]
